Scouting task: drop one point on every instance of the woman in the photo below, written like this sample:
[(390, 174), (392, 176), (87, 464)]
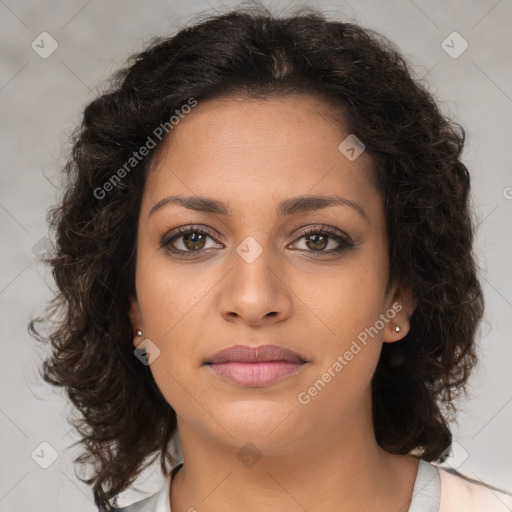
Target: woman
[(265, 246)]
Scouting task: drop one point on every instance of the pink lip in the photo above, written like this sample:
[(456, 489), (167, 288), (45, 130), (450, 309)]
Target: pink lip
[(255, 374), (258, 354), (255, 366)]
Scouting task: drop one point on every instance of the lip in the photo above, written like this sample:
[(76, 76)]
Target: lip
[(255, 366), (255, 354)]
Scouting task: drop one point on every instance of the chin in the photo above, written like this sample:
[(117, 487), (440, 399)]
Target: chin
[(269, 425)]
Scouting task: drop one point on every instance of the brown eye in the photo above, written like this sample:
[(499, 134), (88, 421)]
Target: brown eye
[(318, 239), (191, 241), (186, 241), (194, 240)]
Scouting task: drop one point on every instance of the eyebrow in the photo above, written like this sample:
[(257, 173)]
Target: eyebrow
[(287, 207)]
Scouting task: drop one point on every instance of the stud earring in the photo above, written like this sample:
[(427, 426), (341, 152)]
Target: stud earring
[(397, 328), (139, 333)]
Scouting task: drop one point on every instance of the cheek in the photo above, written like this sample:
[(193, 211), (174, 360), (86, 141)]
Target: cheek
[(169, 303), (347, 298), (347, 331), (347, 347), (168, 294), (351, 347)]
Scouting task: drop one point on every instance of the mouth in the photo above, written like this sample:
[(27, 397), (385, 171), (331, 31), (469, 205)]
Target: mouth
[(255, 366)]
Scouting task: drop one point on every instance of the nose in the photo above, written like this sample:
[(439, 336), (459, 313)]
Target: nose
[(255, 291)]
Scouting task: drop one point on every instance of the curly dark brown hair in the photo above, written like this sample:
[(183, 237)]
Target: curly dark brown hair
[(416, 153)]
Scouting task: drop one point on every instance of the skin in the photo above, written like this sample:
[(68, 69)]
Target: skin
[(320, 456)]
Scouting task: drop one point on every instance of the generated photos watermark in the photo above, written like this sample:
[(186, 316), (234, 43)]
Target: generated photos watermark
[(137, 156), (304, 397)]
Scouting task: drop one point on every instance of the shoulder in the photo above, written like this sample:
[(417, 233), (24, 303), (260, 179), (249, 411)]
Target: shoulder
[(461, 494), (157, 502), (145, 505)]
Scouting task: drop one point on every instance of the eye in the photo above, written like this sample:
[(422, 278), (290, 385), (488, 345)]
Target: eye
[(193, 240), (317, 240)]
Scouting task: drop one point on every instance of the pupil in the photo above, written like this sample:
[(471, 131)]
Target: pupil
[(322, 239), (191, 236)]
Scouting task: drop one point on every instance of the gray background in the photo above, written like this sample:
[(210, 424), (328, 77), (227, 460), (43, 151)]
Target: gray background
[(41, 101)]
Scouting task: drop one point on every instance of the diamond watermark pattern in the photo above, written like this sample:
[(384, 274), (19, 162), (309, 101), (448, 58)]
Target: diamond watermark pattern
[(249, 455), (351, 147), (41, 248), (147, 352), (44, 455), (249, 249), (44, 45), (455, 455), (454, 45)]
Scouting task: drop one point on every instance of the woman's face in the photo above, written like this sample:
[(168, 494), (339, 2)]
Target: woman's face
[(256, 278)]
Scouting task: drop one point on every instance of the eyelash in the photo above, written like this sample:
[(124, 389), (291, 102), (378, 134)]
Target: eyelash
[(166, 242)]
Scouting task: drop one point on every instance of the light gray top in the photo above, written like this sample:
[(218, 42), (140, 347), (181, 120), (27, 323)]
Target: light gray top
[(426, 495)]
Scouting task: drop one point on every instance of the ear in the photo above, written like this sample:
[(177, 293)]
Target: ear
[(400, 309), (135, 318)]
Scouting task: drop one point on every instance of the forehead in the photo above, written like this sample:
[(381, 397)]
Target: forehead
[(244, 150)]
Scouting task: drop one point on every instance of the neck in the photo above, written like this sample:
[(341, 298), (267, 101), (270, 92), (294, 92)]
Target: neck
[(331, 470)]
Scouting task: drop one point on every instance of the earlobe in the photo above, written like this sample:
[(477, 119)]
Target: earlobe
[(135, 318), (396, 330), (400, 312)]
